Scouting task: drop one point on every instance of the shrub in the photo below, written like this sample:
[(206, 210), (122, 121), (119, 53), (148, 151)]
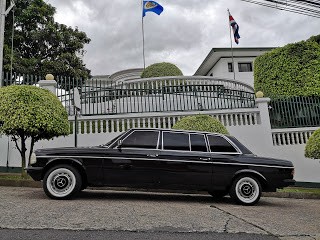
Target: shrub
[(203, 123), (292, 70), (161, 70), (312, 149), (31, 112)]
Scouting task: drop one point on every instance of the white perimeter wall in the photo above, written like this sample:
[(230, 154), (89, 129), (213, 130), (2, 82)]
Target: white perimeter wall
[(250, 126)]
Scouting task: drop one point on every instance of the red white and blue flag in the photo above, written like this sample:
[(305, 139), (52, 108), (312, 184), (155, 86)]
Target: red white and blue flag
[(235, 28)]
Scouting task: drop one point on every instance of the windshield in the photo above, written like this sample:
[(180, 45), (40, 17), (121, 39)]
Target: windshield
[(108, 144)]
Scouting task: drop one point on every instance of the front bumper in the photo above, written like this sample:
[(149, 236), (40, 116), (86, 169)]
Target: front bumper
[(35, 172)]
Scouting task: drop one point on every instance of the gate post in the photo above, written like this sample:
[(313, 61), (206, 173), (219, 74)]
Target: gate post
[(49, 84)]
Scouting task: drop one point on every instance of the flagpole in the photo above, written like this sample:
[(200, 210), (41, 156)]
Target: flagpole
[(233, 67), (144, 60)]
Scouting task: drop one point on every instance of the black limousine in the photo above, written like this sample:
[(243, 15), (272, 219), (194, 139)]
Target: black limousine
[(162, 159)]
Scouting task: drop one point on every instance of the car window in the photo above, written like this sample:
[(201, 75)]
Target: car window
[(242, 148), (219, 144), (198, 143), (141, 139), (176, 141)]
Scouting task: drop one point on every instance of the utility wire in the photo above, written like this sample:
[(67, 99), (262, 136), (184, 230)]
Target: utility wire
[(305, 7)]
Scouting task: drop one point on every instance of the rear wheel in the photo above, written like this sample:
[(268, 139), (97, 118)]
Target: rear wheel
[(246, 190), (62, 182)]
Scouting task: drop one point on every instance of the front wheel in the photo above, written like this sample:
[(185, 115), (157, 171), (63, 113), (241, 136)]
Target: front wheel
[(246, 190), (62, 182)]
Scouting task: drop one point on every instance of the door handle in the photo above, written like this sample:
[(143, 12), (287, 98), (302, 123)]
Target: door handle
[(205, 159), (125, 166), (152, 155)]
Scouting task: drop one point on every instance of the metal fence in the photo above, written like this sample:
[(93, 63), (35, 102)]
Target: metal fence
[(106, 98), (295, 112), (99, 97)]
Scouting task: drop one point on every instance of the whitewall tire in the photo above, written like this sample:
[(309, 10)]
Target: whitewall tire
[(246, 190), (62, 182)]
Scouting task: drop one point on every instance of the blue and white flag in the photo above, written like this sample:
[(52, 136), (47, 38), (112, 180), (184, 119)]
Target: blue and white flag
[(151, 6), (235, 28)]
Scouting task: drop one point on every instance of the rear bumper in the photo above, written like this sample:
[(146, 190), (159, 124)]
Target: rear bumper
[(35, 173), (289, 182)]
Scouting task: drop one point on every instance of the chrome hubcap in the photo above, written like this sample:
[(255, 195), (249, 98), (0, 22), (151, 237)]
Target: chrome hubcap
[(247, 190)]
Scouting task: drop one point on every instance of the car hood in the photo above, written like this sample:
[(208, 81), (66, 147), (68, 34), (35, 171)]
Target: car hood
[(67, 151)]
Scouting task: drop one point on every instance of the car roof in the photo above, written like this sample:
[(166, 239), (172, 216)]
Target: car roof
[(176, 130)]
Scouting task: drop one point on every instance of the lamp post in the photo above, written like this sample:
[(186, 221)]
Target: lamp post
[(3, 14), (2, 21)]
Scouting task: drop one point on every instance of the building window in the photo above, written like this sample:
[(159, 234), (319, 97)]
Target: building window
[(245, 67), (230, 67)]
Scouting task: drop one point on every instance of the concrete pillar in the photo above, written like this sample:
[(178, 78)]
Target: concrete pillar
[(49, 84), (265, 134)]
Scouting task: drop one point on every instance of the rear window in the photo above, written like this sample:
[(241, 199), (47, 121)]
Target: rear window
[(242, 148), (220, 144)]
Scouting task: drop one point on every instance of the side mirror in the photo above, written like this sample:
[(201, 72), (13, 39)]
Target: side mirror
[(119, 144)]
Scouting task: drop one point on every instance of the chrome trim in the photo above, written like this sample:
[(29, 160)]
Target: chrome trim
[(171, 160), (218, 153)]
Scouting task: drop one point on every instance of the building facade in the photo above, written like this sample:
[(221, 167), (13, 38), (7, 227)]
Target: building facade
[(219, 63)]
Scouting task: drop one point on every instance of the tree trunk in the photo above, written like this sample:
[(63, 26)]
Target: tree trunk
[(23, 157), (31, 149)]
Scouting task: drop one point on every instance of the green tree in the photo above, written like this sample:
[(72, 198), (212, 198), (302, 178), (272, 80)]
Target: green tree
[(42, 45), (161, 70), (203, 123), (31, 112), (312, 149), (292, 70)]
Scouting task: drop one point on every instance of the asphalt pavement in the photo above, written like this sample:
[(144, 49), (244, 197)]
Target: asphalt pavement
[(28, 210)]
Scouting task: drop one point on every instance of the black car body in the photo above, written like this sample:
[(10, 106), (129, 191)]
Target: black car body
[(162, 159)]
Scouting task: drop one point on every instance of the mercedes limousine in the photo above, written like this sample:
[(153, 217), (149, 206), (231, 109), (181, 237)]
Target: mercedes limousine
[(162, 159)]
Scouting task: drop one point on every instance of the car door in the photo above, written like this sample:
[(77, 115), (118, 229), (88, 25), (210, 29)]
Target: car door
[(224, 155), (132, 163), (184, 161)]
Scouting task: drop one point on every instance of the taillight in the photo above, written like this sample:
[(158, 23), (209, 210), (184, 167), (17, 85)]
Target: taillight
[(292, 172)]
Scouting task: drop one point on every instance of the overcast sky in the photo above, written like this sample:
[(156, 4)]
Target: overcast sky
[(183, 34)]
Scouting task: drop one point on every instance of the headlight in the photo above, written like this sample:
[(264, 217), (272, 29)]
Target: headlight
[(33, 158)]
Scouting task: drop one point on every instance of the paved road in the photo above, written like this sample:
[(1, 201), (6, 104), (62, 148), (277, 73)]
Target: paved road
[(288, 219), (17, 234)]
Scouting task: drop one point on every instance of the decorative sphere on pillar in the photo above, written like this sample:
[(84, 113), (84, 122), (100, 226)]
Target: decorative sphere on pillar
[(49, 77), (259, 94)]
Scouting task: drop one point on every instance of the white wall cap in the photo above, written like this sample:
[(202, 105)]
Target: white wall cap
[(263, 100)]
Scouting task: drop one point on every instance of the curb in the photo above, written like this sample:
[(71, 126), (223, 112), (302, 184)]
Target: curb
[(20, 183), (35, 184), (295, 195)]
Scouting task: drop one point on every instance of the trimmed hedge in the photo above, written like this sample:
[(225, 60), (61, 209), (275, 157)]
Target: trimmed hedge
[(292, 70), (312, 149), (161, 70), (203, 123), (32, 111)]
